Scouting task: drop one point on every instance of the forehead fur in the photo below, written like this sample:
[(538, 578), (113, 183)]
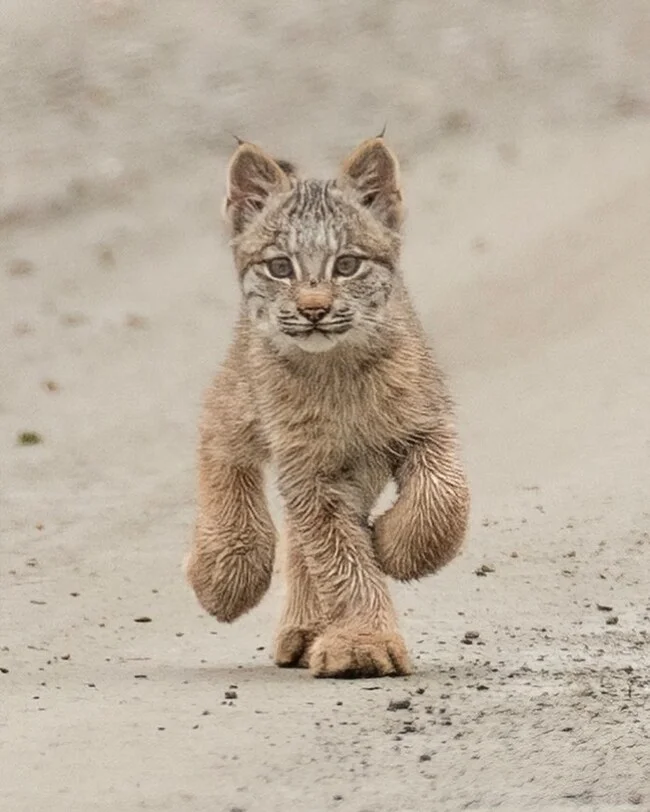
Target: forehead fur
[(315, 216)]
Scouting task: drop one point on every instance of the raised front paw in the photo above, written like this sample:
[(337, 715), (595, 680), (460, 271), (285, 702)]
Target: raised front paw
[(347, 653), (292, 646), (408, 550), (229, 579)]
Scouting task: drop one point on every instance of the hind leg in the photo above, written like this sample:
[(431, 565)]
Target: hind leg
[(303, 618)]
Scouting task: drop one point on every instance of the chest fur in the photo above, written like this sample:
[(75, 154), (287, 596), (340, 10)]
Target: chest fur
[(339, 413)]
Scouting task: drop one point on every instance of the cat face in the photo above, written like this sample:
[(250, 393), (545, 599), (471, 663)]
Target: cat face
[(317, 259)]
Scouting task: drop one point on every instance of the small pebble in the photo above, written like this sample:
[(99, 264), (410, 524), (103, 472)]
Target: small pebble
[(29, 438), (399, 704)]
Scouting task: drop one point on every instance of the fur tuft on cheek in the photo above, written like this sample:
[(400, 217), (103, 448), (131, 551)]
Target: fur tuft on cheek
[(255, 301), (369, 295)]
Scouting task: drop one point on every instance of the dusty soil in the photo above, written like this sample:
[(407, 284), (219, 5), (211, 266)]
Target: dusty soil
[(527, 251)]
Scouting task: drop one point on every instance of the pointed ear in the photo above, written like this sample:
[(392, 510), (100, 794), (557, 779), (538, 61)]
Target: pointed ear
[(372, 174), (253, 177)]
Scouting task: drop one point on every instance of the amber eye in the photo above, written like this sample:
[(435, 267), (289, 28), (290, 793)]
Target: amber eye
[(347, 265), (280, 268)]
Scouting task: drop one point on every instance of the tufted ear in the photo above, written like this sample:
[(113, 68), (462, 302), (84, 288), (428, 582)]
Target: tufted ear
[(372, 174), (253, 177)]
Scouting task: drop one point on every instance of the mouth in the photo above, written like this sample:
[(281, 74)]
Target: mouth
[(316, 338), (327, 330), (333, 330)]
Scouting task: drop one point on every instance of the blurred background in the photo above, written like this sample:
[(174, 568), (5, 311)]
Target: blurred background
[(524, 133), (104, 95)]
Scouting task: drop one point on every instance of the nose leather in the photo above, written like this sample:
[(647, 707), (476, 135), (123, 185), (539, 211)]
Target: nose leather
[(314, 314), (314, 304)]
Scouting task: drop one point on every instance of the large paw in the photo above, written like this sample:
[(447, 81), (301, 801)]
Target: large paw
[(347, 653), (292, 646), (408, 550), (227, 583)]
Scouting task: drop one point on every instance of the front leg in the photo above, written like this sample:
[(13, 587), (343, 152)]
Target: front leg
[(230, 563), (360, 638), (426, 526)]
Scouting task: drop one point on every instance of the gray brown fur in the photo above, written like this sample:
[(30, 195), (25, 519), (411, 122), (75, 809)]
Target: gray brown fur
[(329, 377)]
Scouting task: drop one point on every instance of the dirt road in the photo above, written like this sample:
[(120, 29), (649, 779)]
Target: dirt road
[(533, 281), (528, 257)]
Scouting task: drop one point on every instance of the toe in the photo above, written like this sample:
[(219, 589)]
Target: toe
[(399, 658), (347, 655), (292, 647)]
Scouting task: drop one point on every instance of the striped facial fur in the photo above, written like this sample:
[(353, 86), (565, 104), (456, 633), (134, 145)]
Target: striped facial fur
[(317, 259)]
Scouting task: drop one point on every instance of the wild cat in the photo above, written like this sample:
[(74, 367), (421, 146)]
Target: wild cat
[(330, 377)]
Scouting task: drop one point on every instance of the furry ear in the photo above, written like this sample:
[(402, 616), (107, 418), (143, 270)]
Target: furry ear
[(372, 173), (253, 176)]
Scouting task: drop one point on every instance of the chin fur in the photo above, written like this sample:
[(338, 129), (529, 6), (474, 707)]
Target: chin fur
[(313, 343)]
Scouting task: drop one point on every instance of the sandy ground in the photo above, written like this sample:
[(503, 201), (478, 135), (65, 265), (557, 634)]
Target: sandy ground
[(527, 251)]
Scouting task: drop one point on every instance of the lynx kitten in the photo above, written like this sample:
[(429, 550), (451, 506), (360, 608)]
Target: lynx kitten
[(329, 376)]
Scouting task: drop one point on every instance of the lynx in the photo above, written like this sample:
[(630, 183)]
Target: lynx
[(330, 378)]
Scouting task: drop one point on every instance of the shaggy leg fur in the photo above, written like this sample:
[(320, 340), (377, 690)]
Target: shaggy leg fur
[(302, 619), (361, 638), (424, 529), (231, 560)]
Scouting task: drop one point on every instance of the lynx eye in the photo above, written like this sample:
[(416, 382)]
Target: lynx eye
[(347, 265), (280, 267)]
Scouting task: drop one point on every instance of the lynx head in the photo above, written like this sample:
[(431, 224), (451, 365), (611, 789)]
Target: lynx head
[(317, 259)]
